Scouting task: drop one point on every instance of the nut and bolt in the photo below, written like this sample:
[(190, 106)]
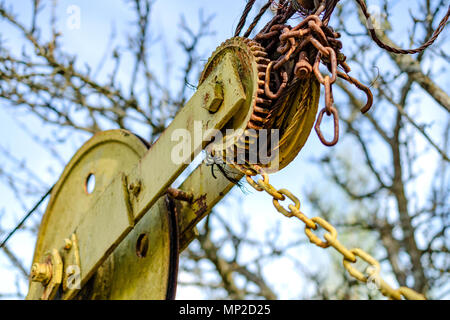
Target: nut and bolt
[(213, 102), (41, 272)]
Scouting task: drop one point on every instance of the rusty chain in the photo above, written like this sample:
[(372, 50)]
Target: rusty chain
[(350, 256), (310, 41)]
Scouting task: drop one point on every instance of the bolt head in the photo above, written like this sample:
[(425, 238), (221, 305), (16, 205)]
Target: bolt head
[(213, 99), (67, 244), (41, 272)]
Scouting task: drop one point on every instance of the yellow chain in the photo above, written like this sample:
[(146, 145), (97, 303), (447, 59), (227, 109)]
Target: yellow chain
[(350, 255)]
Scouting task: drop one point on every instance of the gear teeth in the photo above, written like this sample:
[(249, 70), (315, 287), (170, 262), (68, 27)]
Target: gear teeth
[(253, 125), (260, 53), (259, 119), (261, 109), (263, 102), (262, 68)]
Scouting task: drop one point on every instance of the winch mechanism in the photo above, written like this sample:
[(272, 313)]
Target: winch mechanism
[(121, 238)]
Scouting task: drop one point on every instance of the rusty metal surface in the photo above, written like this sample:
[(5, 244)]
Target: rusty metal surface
[(173, 210), (181, 195), (49, 273), (308, 45), (294, 55), (291, 110), (207, 192)]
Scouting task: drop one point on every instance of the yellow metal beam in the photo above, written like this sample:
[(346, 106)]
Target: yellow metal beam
[(130, 196), (207, 192)]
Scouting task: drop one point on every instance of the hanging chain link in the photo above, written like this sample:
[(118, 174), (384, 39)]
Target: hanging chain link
[(350, 256)]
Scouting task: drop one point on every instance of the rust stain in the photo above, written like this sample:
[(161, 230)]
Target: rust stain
[(200, 206), (180, 195)]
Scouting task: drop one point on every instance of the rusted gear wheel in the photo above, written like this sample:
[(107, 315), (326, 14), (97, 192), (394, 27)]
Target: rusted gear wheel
[(251, 61), (249, 55), (293, 114)]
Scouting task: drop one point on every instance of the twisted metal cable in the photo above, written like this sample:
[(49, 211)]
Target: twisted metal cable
[(386, 47), (25, 218), (257, 18), (330, 6)]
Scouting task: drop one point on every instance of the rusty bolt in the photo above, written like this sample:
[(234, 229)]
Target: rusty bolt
[(41, 272), (67, 244), (303, 68)]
